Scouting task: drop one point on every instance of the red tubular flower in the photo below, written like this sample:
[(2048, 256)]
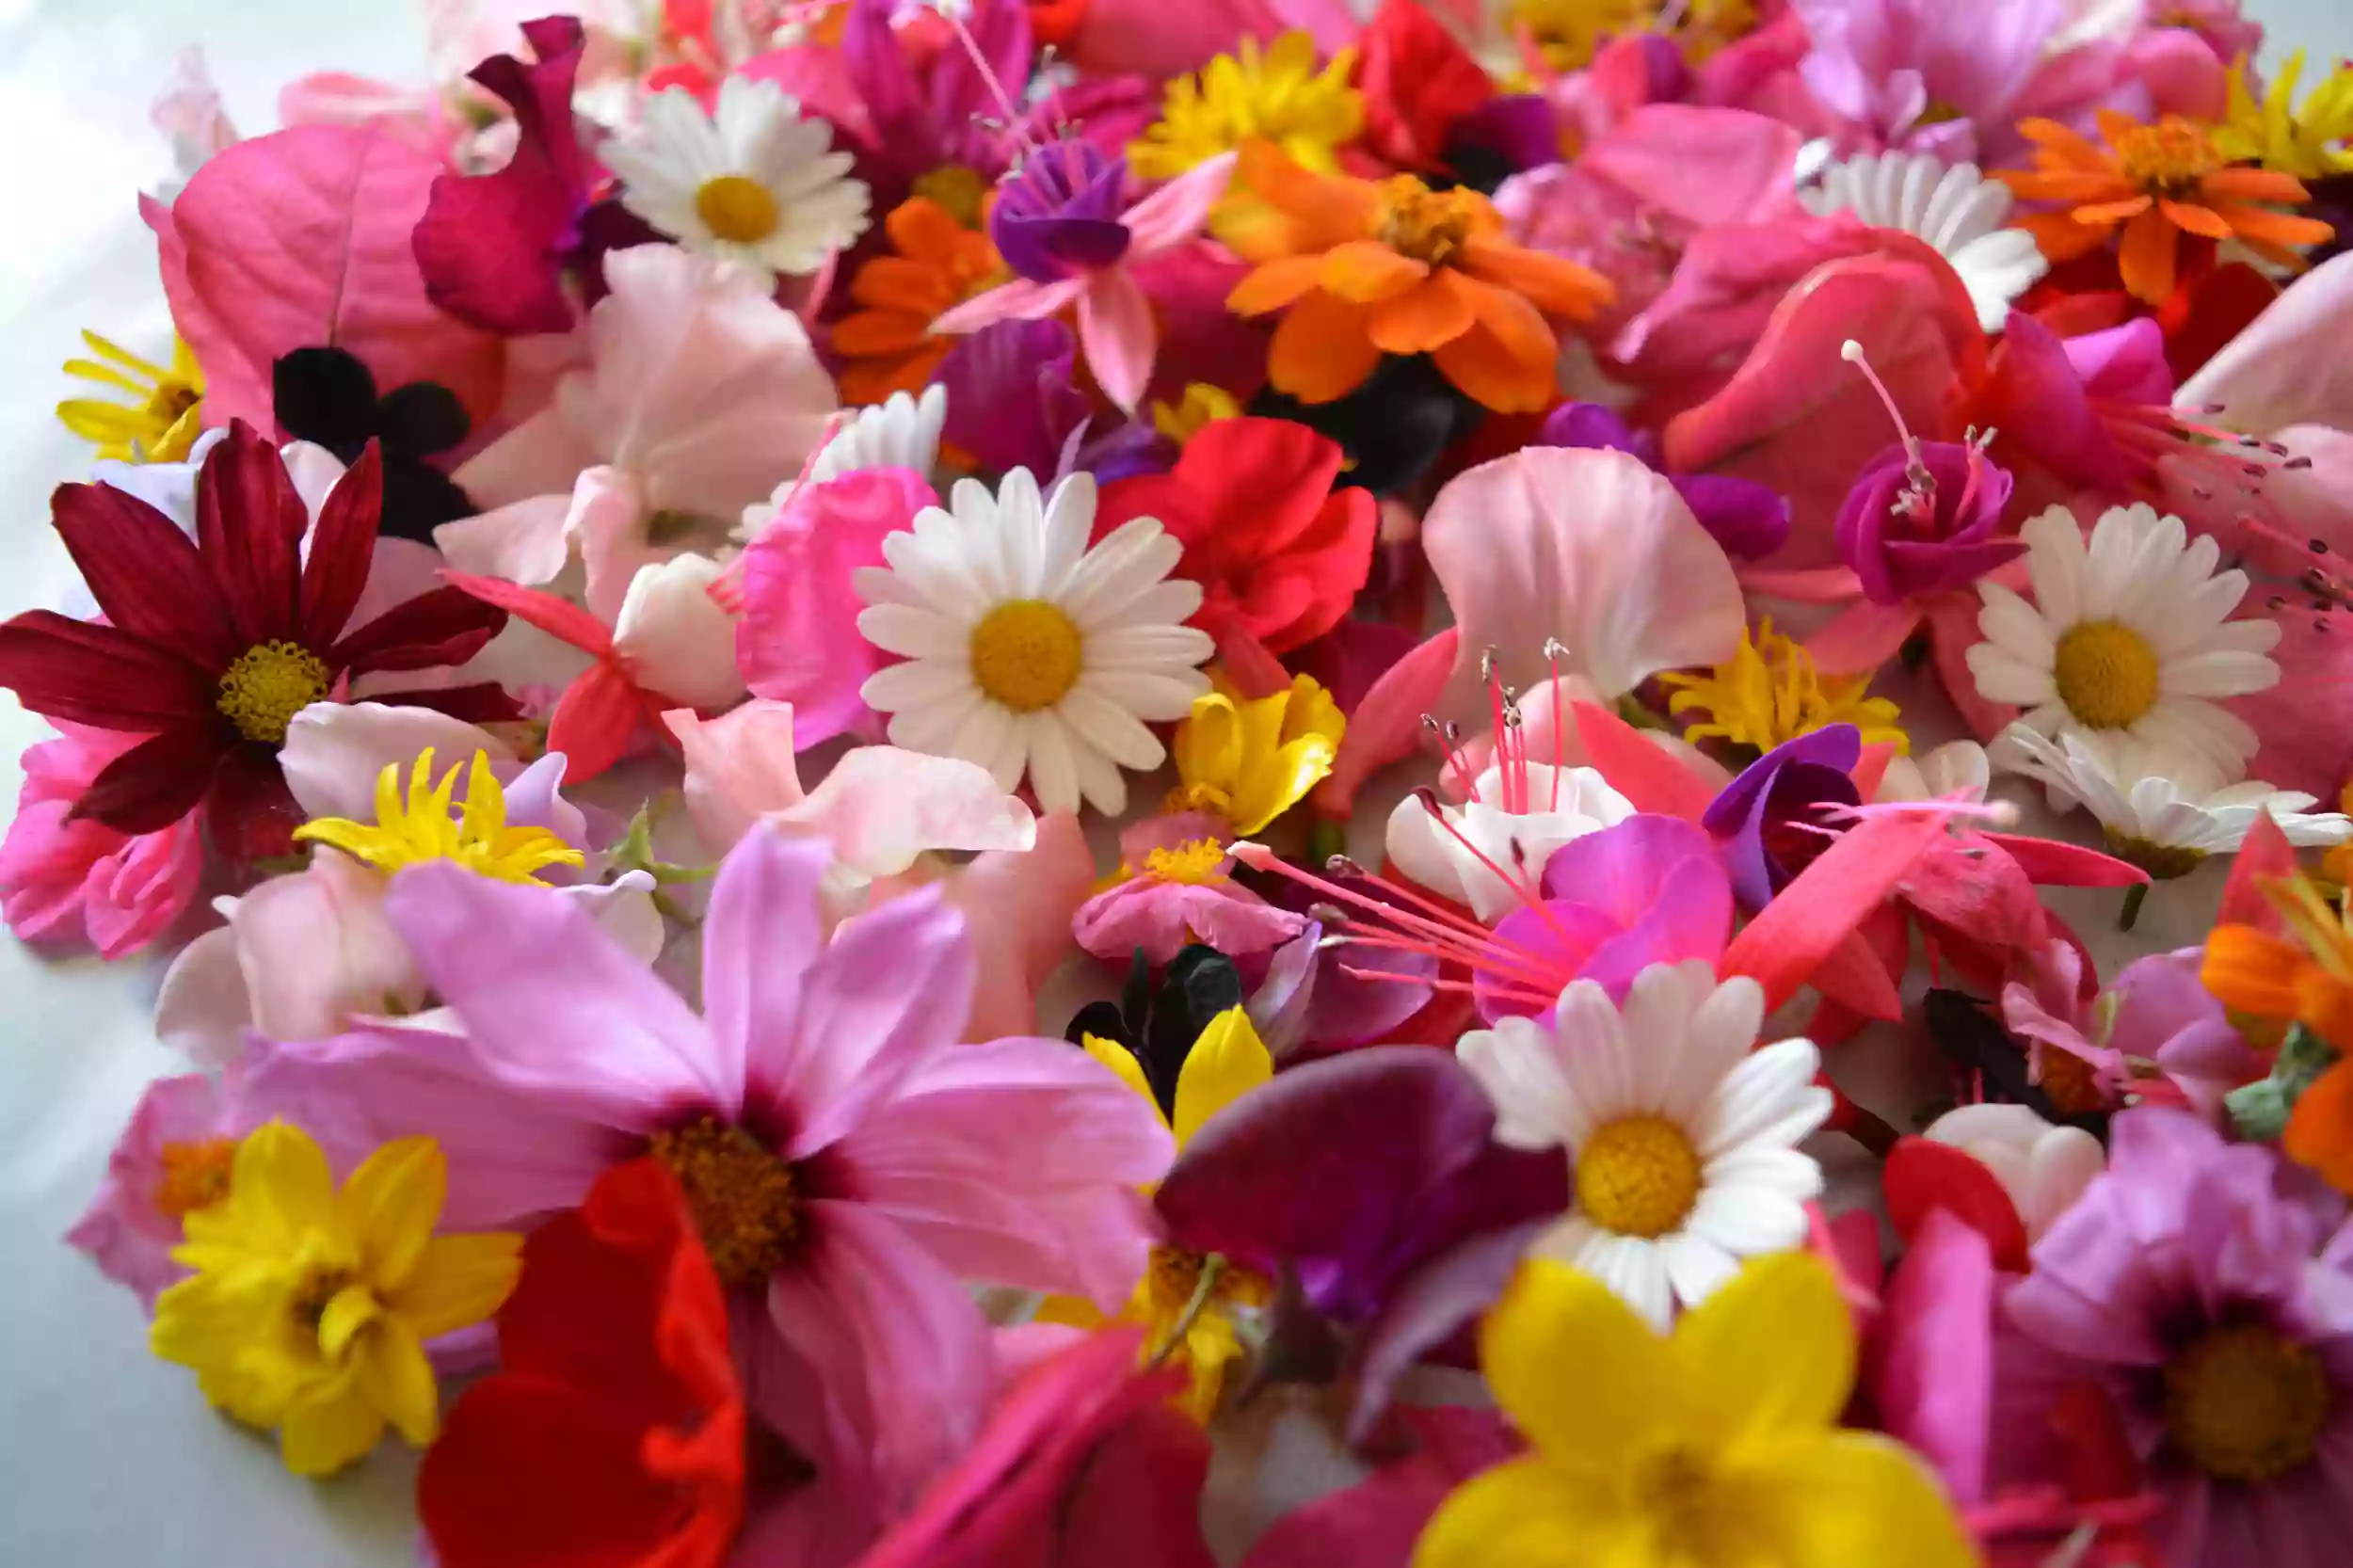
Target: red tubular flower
[(1278, 551), (210, 646), (614, 1433)]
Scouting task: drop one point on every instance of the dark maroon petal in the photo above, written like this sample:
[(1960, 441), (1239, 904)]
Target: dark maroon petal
[(343, 546), (447, 626), (156, 782), (1430, 1307), (485, 702), (249, 522), (251, 812), (69, 669), (148, 577)]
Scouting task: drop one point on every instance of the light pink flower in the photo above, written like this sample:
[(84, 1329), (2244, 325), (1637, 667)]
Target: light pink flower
[(173, 1149), (909, 1161), (65, 877), (1182, 893)]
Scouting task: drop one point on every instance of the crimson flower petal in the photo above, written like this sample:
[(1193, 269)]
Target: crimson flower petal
[(446, 626), (148, 577), (482, 702), (343, 548), (156, 782), (251, 812), (249, 522), (63, 669)]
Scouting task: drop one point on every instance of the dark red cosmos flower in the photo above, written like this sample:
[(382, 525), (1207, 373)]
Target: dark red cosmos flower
[(1278, 551), (613, 1433), (210, 646)]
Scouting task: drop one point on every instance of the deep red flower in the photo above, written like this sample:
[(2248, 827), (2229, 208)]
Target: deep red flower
[(1278, 551), (1417, 81), (209, 647), (613, 1434)]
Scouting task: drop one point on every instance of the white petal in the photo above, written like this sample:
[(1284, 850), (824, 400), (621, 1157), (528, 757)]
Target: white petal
[(1111, 729), (1768, 1098), (1746, 1221)]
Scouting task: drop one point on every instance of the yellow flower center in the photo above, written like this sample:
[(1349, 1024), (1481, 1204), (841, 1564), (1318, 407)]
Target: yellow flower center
[(1208, 799), (2163, 862), (959, 189), (737, 209), (1428, 225), (2245, 1403), (319, 1287), (1638, 1175), (741, 1195), (1195, 861), (1026, 653), (2106, 674), (196, 1176), (269, 685), (1174, 1273), (2168, 157), (1771, 691), (420, 829)]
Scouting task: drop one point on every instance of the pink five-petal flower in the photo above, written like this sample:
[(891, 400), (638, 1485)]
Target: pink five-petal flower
[(909, 1160), (1157, 915), (172, 1157), (62, 875)]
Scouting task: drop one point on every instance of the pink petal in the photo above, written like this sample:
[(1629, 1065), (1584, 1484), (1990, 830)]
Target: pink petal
[(881, 807), (1805, 585), (1646, 776), (538, 460), (1116, 332), (1816, 913), (1019, 300), (2278, 372), (738, 767), (1932, 1367), (1177, 210), (318, 950), (1862, 637), (608, 520), (203, 1009), (1386, 726), (335, 751), (1018, 908)]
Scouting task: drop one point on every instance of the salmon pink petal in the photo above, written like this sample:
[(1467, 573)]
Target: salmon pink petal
[(1018, 906), (1019, 300), (1386, 726), (1813, 916), (1117, 335), (881, 807), (1930, 1369), (1636, 768), (1175, 211), (738, 767)]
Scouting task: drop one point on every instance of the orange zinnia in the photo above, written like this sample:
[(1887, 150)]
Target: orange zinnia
[(1368, 267), (2159, 181), (890, 346), (2305, 975)]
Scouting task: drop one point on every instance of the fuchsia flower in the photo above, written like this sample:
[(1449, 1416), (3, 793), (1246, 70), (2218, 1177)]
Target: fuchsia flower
[(62, 875), (172, 1157), (848, 1160)]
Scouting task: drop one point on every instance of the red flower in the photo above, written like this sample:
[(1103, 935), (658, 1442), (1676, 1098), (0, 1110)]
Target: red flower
[(1279, 553), (1417, 81), (614, 1432), (210, 646)]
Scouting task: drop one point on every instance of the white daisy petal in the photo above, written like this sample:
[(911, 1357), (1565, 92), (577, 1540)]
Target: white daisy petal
[(1053, 765), (1747, 1221), (914, 631), (1763, 1098), (1111, 729), (1697, 1267)]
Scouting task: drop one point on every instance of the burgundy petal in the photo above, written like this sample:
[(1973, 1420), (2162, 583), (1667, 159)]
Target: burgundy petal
[(148, 577), (250, 521), (251, 813), (343, 546), (1430, 1306), (63, 669), (447, 626), (156, 782), (485, 702)]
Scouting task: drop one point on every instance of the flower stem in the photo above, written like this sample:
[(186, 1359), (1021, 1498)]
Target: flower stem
[(2132, 906)]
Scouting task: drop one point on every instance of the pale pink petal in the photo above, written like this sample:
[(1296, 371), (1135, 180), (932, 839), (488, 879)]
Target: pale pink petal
[(335, 751), (541, 457), (318, 950), (609, 524), (675, 637), (881, 807), (762, 935), (738, 767), (1018, 906), (2279, 371), (1175, 211), (123, 1230), (522, 543), (1019, 300), (1116, 332), (204, 1009), (1862, 637)]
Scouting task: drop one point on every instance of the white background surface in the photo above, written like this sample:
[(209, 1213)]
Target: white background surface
[(109, 1457)]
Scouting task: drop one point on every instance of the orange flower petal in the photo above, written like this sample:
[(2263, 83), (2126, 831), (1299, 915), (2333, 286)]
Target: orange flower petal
[(2192, 218), (920, 226), (2148, 256), (2253, 184), (1368, 272), (2252, 971), (2060, 236), (865, 381), (1489, 374), (893, 283), (1322, 350), (1433, 313), (2320, 1129), (2261, 223), (2059, 141), (2115, 125), (1323, 211), (2072, 184), (1553, 284), (2108, 215), (1274, 284), (864, 333), (1516, 326)]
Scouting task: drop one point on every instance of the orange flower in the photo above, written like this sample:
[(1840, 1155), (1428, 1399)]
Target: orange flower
[(888, 346), (2159, 181), (2305, 975), (1369, 267)]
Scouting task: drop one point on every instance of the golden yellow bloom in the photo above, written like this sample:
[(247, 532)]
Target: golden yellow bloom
[(1276, 94), (2306, 141), (1225, 1062), (162, 420), (310, 1307), (411, 832), (1248, 762), (1769, 692), (1203, 404), (1568, 33), (1714, 1447)]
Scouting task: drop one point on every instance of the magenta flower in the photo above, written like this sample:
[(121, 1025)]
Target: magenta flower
[(173, 1157), (2155, 1014), (63, 875), (849, 1161), (1771, 821), (1183, 892), (938, 111), (1927, 76)]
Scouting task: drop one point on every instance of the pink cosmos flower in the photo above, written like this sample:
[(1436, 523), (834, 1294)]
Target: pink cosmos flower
[(63, 875), (172, 1157), (1183, 892), (849, 1160)]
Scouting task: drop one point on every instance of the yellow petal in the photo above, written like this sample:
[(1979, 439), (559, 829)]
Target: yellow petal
[(457, 1280), (1123, 1063), (1529, 1514), (330, 1430), (1842, 1498), (395, 1377), (486, 802), (1771, 1353), (1208, 748), (1574, 1369), (1226, 1062), (1069, 1311), (347, 1315), (390, 1206), (279, 1189)]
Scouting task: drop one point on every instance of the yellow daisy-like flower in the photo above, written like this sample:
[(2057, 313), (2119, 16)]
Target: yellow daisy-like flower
[(1714, 1446), (1202, 404), (1769, 692), (310, 1307), (1225, 1062), (1568, 33), (2306, 141), (1276, 95), (416, 830), (1248, 762), (162, 420)]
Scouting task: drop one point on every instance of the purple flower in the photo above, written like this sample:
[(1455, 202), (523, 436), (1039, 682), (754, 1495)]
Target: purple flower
[(1766, 823), (1913, 527), (1057, 216), (2207, 1289), (1928, 75), (1309, 1005), (1013, 396), (937, 114), (1748, 518)]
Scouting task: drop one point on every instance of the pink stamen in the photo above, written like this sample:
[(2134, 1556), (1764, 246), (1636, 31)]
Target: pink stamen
[(1923, 483), (1552, 659), (995, 85), (1448, 740), (1510, 992), (1362, 937)]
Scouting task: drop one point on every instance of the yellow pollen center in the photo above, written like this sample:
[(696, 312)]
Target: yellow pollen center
[(2168, 157), (1206, 799), (1428, 225), (2245, 1403), (1195, 861), (1174, 1275), (737, 209), (269, 685), (955, 187), (196, 1176), (741, 1195), (2106, 674), (1026, 654), (1638, 1175)]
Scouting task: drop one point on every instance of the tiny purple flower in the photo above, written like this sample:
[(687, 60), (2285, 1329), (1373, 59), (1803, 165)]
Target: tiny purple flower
[(1058, 215)]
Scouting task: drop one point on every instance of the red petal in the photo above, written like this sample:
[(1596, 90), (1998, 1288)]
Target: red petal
[(2265, 854), (251, 812), (559, 618), (1922, 1176), (483, 702), (447, 626), (63, 669), (1638, 770), (1853, 978), (148, 577), (1254, 672), (156, 782), (595, 721), (1813, 915), (1386, 726), (249, 522), (343, 546), (2051, 863)]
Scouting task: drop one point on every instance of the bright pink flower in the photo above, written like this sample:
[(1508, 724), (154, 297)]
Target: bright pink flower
[(63, 875), (1182, 894), (173, 1157)]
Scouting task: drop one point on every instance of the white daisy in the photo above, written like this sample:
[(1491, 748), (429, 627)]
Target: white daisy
[(2130, 638), (1962, 215), (902, 432), (1456, 856), (1026, 652), (753, 185), (1681, 1140)]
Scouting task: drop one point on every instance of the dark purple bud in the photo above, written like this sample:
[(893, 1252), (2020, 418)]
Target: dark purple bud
[(1058, 216)]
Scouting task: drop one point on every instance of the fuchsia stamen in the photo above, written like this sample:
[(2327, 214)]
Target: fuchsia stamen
[(1918, 501), (1552, 660)]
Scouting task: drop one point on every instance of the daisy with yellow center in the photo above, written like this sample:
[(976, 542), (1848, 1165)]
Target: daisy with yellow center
[(1247, 763), (412, 831), (2306, 141), (164, 415), (1771, 692), (310, 1307), (1276, 94), (2129, 636), (1681, 1139), (1028, 652)]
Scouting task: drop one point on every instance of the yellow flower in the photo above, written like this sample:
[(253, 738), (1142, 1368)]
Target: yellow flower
[(310, 1308), (420, 829), (1203, 404), (1248, 762), (160, 422), (1568, 33), (2305, 142), (1276, 94), (1769, 692), (1716, 1446), (1226, 1062)]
